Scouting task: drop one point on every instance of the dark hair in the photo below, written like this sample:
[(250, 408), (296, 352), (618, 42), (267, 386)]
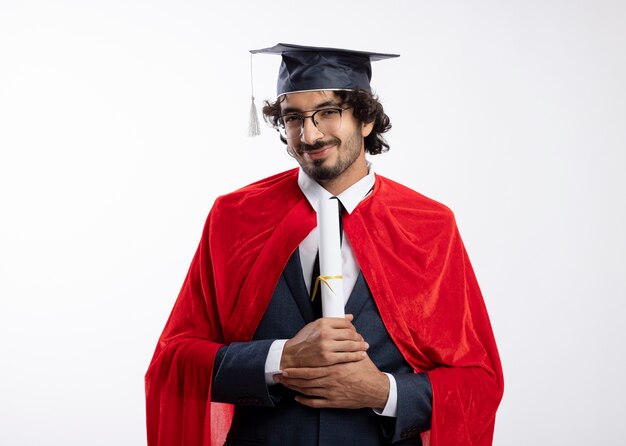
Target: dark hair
[(365, 107)]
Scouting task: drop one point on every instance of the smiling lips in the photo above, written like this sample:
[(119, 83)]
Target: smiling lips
[(318, 153)]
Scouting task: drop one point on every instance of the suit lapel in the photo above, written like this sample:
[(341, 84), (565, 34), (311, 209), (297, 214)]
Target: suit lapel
[(297, 287), (360, 294)]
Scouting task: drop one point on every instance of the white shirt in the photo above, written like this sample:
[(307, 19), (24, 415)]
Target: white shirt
[(350, 199)]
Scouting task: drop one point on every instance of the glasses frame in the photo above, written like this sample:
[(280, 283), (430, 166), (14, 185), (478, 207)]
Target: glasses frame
[(281, 125)]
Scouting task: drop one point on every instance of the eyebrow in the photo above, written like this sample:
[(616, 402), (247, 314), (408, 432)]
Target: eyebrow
[(321, 105)]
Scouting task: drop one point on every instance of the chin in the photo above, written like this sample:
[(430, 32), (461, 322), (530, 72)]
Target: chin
[(319, 172)]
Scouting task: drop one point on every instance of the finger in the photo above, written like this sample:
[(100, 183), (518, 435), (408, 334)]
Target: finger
[(344, 334), (301, 384), (349, 346), (305, 373), (314, 387), (347, 317), (340, 334), (329, 358), (337, 322), (343, 357)]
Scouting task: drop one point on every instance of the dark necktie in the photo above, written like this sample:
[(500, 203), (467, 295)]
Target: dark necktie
[(316, 301)]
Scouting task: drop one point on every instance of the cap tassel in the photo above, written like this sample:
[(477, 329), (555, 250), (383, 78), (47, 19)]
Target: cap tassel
[(253, 124)]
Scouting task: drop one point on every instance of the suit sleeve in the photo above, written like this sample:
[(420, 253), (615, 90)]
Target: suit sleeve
[(239, 374), (414, 407)]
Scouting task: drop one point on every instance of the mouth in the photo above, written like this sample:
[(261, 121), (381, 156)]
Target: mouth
[(317, 154)]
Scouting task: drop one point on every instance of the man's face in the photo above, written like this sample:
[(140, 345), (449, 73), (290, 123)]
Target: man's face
[(326, 156)]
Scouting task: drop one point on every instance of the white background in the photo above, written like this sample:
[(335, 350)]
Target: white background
[(121, 121)]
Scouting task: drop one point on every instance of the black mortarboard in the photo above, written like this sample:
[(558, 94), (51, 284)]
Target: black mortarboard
[(307, 68)]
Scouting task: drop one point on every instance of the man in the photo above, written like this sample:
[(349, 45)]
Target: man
[(413, 361)]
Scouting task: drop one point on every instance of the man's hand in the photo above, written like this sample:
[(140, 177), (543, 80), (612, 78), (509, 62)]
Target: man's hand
[(351, 385), (324, 342)]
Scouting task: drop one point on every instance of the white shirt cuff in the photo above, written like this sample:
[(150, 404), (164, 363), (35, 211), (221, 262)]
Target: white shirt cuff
[(272, 362), (391, 408)]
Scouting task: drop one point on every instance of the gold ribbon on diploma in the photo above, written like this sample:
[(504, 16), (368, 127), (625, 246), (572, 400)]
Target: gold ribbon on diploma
[(325, 280)]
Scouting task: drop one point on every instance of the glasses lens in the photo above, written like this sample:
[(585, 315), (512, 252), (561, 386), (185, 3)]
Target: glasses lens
[(291, 126), (327, 120)]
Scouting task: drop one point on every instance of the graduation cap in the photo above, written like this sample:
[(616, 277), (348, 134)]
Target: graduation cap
[(311, 68)]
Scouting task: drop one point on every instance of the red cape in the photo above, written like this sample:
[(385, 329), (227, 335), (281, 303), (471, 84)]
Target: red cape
[(412, 258)]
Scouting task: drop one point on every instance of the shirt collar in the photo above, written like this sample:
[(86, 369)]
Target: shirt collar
[(350, 198)]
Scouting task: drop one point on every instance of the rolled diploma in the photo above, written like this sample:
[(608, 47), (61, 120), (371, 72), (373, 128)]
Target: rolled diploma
[(330, 258)]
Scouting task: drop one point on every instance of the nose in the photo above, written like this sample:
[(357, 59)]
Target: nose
[(310, 133)]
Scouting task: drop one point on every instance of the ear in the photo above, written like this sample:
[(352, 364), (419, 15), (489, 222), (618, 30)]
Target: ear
[(366, 128)]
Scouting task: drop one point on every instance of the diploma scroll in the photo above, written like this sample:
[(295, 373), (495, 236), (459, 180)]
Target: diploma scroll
[(331, 279)]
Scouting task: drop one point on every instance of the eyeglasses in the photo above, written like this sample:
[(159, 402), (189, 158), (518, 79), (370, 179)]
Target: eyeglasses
[(327, 120)]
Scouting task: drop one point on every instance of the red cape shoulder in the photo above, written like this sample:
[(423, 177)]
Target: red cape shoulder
[(411, 213), (398, 195), (273, 195)]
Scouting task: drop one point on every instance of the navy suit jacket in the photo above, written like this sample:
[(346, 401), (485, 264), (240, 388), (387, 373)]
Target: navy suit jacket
[(270, 415)]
